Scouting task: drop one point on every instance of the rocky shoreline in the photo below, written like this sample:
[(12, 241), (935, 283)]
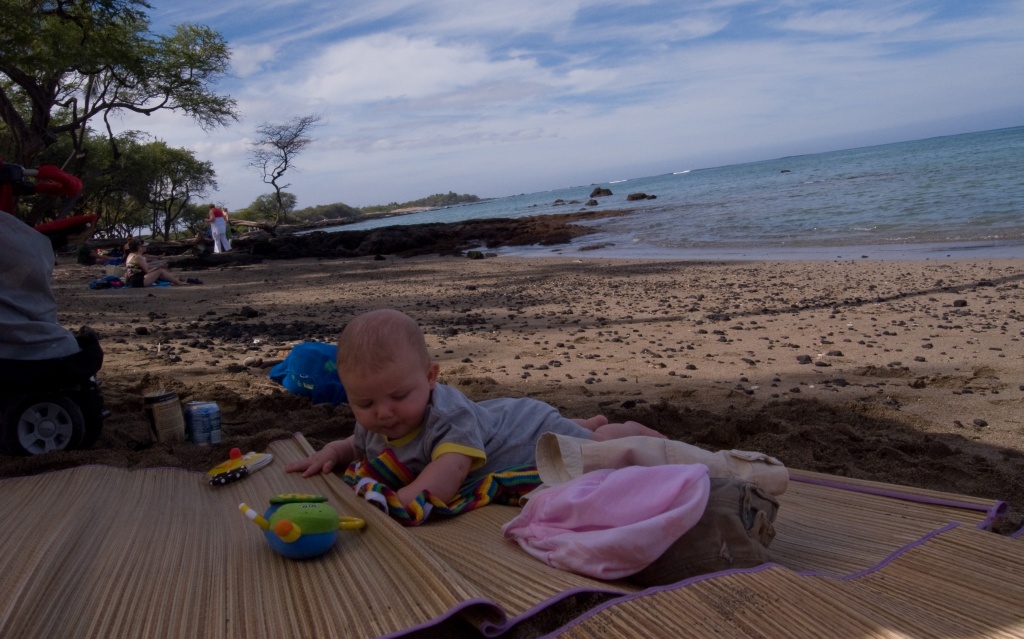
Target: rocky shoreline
[(411, 240)]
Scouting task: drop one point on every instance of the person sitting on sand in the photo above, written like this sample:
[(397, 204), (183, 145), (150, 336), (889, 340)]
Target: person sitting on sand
[(140, 272), (439, 434)]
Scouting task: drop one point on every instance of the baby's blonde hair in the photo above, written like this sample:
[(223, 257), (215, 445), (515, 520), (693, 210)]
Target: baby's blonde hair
[(376, 339)]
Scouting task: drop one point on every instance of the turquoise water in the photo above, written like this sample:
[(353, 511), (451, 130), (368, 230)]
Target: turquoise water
[(948, 196)]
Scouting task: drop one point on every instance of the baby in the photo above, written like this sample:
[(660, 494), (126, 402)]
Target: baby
[(439, 434)]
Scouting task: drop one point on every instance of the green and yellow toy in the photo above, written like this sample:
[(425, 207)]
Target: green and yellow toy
[(300, 526)]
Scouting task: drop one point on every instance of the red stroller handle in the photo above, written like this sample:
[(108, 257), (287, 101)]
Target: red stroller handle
[(50, 179)]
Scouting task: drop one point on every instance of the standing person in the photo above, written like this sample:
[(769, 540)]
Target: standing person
[(139, 272), (218, 221), (441, 435)]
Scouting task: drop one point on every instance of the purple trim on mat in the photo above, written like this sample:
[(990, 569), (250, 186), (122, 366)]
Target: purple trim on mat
[(491, 630), (643, 593), (893, 555), (1019, 534), (454, 610), (993, 513), (714, 575), (496, 629)]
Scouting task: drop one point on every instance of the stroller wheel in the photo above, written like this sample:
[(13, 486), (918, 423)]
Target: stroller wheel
[(37, 424)]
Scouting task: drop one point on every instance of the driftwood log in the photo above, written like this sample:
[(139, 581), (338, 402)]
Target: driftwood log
[(196, 251)]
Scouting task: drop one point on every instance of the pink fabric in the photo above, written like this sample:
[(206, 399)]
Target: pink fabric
[(609, 524)]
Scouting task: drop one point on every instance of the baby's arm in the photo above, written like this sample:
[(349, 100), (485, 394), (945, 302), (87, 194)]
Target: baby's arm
[(442, 477), (337, 454)]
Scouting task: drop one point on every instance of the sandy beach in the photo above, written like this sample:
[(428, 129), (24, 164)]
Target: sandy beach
[(903, 372)]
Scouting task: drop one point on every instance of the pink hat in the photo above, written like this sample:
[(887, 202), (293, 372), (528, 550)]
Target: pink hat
[(609, 524)]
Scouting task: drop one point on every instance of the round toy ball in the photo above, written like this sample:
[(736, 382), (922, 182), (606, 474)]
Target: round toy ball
[(300, 526), (311, 526), (301, 531)]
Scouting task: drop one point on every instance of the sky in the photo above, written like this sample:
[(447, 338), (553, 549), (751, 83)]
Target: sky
[(496, 99)]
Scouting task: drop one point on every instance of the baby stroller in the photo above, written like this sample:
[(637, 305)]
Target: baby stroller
[(50, 397)]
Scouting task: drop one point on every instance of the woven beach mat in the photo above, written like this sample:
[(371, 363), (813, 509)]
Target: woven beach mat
[(958, 581), (826, 524), (838, 525), (108, 552)]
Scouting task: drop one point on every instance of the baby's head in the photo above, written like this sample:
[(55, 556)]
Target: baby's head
[(374, 340), (386, 370)]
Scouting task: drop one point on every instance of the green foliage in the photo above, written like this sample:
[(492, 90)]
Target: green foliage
[(264, 207), (116, 190), (323, 212), (175, 179), (437, 200), (192, 220), (67, 63), (150, 188)]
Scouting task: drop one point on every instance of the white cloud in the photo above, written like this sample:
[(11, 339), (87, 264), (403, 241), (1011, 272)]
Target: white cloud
[(385, 67), (855, 21), (247, 60), (420, 98)]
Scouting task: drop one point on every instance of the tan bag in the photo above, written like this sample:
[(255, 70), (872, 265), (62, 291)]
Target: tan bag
[(737, 525), (734, 532)]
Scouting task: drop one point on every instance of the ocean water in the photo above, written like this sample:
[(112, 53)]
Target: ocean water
[(951, 196)]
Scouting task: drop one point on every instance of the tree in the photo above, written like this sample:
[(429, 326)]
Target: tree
[(175, 178), (67, 63), (266, 207), (273, 152), (117, 190)]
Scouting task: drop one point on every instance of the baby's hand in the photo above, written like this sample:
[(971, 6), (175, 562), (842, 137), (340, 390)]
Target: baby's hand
[(320, 462)]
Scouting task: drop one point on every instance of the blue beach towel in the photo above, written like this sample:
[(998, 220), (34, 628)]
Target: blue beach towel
[(310, 370)]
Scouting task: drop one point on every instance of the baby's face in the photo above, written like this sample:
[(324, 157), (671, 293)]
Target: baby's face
[(391, 402)]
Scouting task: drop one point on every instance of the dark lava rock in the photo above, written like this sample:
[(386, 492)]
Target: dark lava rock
[(415, 239)]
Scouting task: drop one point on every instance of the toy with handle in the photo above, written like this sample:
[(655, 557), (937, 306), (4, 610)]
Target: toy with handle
[(300, 526)]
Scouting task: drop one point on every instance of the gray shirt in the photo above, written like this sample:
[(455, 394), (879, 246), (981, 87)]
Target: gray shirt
[(28, 310), (496, 433)]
